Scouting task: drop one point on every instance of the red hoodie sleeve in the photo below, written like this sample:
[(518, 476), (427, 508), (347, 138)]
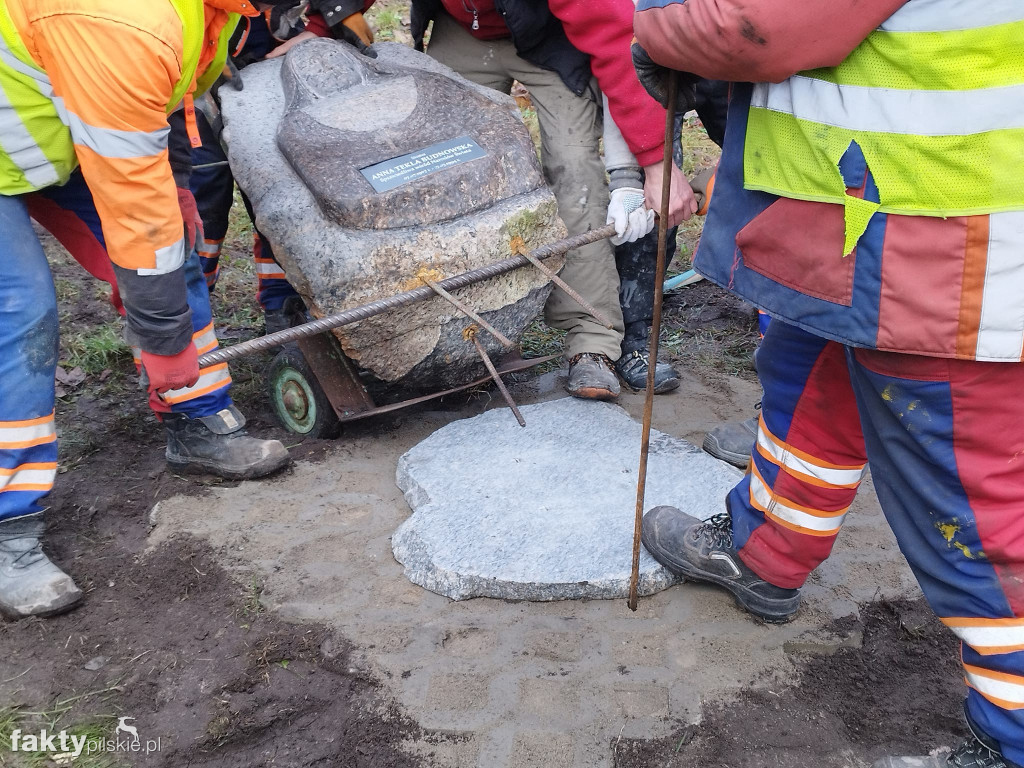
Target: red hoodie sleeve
[(755, 40), (603, 29)]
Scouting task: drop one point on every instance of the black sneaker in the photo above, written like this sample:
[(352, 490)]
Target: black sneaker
[(703, 551), (971, 754), (632, 369)]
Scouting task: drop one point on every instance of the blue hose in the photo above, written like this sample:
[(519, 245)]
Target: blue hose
[(688, 277)]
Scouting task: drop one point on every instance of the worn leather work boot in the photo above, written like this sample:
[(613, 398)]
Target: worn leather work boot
[(292, 312), (31, 585), (219, 444), (591, 377), (732, 442), (632, 369), (973, 753), (703, 551)]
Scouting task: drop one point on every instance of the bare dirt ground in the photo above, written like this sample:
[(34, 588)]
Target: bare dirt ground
[(267, 624)]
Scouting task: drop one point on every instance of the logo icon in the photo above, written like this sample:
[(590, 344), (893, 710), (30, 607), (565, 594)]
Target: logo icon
[(122, 726)]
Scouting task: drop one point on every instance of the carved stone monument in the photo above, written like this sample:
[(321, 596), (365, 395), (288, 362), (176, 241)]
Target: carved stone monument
[(366, 174)]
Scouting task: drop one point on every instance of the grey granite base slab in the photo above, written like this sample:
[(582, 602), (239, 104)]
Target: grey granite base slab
[(544, 512)]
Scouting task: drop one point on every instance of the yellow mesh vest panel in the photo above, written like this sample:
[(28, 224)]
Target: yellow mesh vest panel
[(934, 173)]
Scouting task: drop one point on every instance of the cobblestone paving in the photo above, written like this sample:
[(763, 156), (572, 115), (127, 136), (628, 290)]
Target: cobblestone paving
[(518, 684)]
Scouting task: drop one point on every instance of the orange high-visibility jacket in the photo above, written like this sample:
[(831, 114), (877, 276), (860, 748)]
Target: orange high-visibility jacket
[(114, 67)]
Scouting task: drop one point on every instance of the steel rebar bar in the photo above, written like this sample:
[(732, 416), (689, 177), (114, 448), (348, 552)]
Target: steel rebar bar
[(380, 306), (659, 280)]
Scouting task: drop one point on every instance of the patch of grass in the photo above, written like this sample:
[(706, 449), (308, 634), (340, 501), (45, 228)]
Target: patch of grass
[(699, 151), (96, 349), (67, 290), (252, 605), (540, 340), (724, 350), (96, 729), (385, 19), (386, 23)]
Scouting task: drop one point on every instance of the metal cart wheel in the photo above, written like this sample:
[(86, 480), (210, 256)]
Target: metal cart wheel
[(300, 403)]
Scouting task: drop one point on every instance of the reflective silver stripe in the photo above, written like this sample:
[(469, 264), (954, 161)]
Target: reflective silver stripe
[(41, 473), (8, 58), (210, 379), (209, 249), (109, 142), (167, 259), (33, 432), (763, 497), (909, 112), (952, 15), (17, 143), (1007, 690), (989, 636), (782, 456), (1001, 333)]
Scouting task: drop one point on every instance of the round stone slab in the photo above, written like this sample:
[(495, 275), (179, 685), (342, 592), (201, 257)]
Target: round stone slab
[(544, 512)]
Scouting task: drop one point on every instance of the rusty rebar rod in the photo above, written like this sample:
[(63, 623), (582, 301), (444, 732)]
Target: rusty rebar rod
[(659, 281), (569, 290), (464, 309), (471, 334), (405, 298)]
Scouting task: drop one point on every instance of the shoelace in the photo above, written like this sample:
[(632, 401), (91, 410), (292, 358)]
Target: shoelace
[(592, 356), (719, 529), (974, 754), (28, 553)]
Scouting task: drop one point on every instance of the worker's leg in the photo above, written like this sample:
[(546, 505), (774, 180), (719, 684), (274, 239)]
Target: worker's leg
[(636, 264), (213, 187), (481, 61), (273, 291), (570, 130), (733, 440), (804, 474), (29, 582), (808, 459), (70, 214), (205, 430), (945, 440)]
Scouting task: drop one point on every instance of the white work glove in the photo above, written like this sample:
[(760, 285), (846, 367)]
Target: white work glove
[(627, 212)]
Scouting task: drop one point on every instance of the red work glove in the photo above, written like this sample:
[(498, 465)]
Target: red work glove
[(166, 372), (190, 215)]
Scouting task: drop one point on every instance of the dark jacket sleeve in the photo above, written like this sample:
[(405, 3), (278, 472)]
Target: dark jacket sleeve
[(755, 41), (336, 11), (179, 149), (421, 14)]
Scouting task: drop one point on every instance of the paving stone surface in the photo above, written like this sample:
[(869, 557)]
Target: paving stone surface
[(546, 511), (318, 538)]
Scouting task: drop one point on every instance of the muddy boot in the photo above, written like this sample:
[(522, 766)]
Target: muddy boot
[(31, 585), (218, 444), (292, 312), (973, 753), (732, 442), (632, 369), (591, 377), (703, 551)]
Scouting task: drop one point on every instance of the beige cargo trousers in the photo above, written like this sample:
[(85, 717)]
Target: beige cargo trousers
[(570, 127)]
